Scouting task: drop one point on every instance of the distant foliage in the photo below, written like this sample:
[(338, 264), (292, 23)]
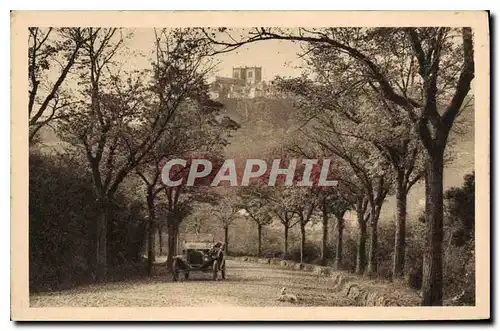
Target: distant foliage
[(459, 258), (460, 210)]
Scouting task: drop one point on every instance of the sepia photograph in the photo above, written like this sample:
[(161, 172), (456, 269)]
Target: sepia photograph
[(321, 167)]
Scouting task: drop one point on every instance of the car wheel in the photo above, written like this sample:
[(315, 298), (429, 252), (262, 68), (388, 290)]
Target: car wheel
[(215, 267), (175, 270)]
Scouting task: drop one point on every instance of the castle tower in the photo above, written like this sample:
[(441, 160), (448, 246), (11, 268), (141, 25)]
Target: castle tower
[(251, 75), (239, 73)]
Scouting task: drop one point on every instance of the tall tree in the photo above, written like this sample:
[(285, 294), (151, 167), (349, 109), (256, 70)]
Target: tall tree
[(51, 50), (306, 201), (182, 197), (196, 128), (339, 209), (226, 211), (370, 186), (446, 70), (152, 191), (335, 91), (120, 119), (305, 193), (283, 208), (333, 202), (255, 201)]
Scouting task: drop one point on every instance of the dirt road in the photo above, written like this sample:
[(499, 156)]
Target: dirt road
[(247, 284)]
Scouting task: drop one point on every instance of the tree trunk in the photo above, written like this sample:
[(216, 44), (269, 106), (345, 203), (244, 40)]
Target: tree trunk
[(151, 246), (324, 243), (432, 286), (226, 239), (101, 250), (361, 258), (373, 261), (338, 247), (172, 242), (285, 253), (151, 234), (302, 241), (160, 241), (110, 250), (400, 236), (259, 234), (92, 249)]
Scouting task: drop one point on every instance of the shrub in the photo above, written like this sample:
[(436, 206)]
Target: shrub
[(459, 272), (61, 205), (62, 214)]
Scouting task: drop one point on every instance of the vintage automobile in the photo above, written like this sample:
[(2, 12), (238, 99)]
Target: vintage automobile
[(200, 254)]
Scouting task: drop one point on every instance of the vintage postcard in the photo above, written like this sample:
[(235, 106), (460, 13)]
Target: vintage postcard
[(279, 165)]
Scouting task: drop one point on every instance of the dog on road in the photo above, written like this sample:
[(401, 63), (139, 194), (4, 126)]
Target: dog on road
[(286, 297)]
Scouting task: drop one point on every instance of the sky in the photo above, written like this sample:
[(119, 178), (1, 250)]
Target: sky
[(274, 56)]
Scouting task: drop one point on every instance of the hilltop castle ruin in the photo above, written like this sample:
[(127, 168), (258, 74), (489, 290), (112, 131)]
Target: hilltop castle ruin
[(246, 82)]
